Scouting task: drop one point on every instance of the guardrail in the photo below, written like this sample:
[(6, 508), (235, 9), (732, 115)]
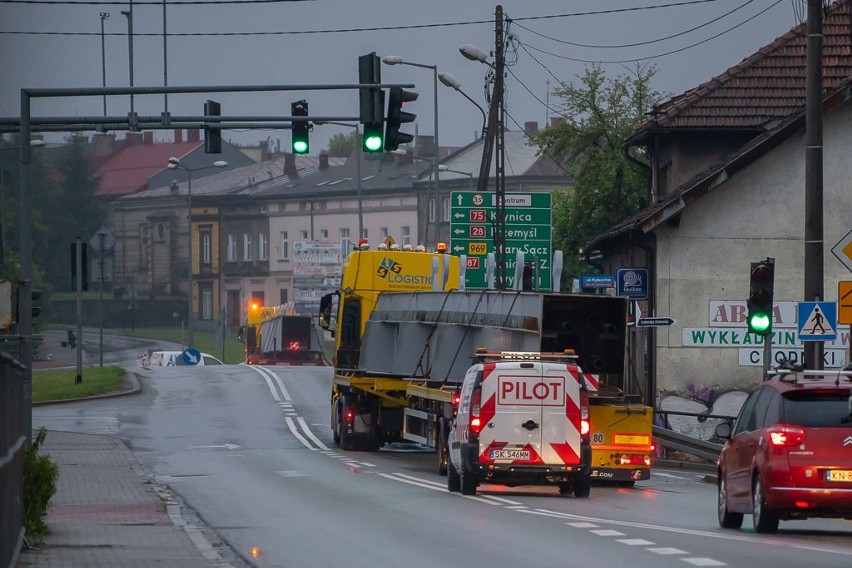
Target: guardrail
[(693, 446)]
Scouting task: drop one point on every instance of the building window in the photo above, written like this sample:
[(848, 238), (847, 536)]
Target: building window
[(383, 234), (446, 206), (283, 296), (206, 303), (344, 234), (143, 245), (405, 235), (431, 210), (303, 234), (246, 246), (262, 246), (284, 246), (232, 248), (344, 239), (206, 246), (324, 234)]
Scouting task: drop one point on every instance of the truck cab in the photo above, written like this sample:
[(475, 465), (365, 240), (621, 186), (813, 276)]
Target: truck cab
[(523, 419)]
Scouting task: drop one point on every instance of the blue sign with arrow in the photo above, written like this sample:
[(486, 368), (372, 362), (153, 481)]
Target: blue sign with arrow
[(191, 356)]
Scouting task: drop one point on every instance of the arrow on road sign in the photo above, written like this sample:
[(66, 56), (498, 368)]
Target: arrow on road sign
[(655, 322)]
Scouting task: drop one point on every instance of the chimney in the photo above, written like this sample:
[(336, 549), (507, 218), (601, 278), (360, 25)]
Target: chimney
[(148, 138), (104, 144), (193, 135), (290, 164), (264, 150), (425, 146), (178, 136), (556, 121), (132, 139), (323, 161), (531, 127)]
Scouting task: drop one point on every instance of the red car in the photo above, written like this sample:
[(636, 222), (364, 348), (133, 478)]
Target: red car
[(789, 453)]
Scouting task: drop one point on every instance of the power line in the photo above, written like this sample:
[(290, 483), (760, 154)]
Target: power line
[(649, 57), (640, 43)]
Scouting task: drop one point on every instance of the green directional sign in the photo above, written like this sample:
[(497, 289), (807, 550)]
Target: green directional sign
[(528, 228)]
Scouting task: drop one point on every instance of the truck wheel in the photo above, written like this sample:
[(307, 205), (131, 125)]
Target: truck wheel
[(468, 482), (583, 486), (443, 454), (345, 441), (335, 433), (453, 479)]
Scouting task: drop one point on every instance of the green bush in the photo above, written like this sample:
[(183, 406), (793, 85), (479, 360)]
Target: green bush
[(40, 475)]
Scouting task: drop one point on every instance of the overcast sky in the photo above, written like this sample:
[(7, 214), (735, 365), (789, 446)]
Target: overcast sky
[(54, 43)]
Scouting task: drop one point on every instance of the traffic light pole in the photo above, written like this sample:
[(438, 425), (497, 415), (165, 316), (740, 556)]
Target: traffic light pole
[(78, 378)]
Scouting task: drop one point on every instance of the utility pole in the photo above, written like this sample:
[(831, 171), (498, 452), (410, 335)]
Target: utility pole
[(814, 264), (495, 130)]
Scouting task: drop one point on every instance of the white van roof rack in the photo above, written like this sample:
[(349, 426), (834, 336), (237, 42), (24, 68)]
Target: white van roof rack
[(483, 354)]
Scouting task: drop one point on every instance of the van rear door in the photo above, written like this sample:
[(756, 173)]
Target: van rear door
[(527, 412)]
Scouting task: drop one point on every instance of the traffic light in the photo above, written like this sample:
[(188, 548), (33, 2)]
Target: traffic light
[(212, 134), (35, 306), (760, 297), (372, 102), (301, 129), (84, 264), (397, 97)]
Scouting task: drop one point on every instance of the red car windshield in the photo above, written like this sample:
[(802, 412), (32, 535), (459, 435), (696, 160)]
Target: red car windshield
[(817, 409)]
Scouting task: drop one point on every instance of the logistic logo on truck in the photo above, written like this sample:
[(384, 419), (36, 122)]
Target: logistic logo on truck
[(394, 273)]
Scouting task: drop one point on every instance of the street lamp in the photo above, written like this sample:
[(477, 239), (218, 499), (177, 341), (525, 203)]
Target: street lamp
[(396, 60), (104, 16), (174, 164), (444, 168), (450, 81)]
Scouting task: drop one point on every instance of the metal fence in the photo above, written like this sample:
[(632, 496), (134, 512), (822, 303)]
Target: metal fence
[(13, 444)]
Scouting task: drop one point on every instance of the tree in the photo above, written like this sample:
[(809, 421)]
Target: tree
[(341, 145), (606, 188)]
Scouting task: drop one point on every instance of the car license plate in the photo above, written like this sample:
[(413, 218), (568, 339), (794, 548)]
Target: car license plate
[(843, 475), (510, 455)]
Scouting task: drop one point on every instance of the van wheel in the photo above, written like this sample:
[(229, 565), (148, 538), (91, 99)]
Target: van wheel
[(453, 479), (468, 482), (583, 486), (765, 520)]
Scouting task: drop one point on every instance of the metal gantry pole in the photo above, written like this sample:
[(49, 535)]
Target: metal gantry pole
[(435, 160), (189, 261), (104, 16), (25, 325)]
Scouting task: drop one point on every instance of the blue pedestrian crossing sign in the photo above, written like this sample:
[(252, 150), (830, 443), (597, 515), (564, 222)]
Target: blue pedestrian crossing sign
[(817, 321)]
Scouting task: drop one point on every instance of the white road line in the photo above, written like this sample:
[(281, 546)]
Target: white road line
[(607, 532), (310, 434), (295, 431), (635, 542), (703, 562), (671, 475), (666, 551), (421, 480), (268, 382), (503, 500), (582, 525), (396, 477)]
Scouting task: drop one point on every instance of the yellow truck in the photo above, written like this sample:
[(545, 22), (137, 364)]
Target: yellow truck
[(405, 334)]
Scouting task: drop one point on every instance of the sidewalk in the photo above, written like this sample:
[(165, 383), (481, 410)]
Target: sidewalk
[(108, 513)]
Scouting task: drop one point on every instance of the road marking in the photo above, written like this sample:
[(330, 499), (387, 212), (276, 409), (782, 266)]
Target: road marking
[(636, 542), (607, 532), (583, 525), (310, 434), (703, 562), (666, 551), (295, 431)]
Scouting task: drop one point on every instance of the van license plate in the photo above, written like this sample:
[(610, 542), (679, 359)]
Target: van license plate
[(510, 455), (839, 475)]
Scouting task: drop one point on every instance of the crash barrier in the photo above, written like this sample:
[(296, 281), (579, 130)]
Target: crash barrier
[(13, 443), (668, 438)]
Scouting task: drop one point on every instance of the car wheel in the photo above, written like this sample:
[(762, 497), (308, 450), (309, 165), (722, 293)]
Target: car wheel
[(727, 520), (765, 519), (468, 482), (583, 486), (453, 479)]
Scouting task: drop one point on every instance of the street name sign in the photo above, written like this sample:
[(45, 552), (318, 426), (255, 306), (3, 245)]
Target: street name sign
[(528, 229), (655, 322)]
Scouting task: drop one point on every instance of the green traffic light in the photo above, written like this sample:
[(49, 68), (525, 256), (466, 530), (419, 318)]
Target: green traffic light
[(300, 147), (373, 143), (759, 323)]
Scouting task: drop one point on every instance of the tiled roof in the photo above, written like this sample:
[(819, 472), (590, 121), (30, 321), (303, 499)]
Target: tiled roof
[(246, 180), (128, 170), (765, 87)]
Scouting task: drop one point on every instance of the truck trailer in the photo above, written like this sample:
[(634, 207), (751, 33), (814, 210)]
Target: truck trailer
[(405, 335), (274, 335)]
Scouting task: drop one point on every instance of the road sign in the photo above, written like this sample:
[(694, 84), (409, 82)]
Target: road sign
[(817, 321), (103, 240), (528, 228), (655, 322), (597, 281), (843, 250), (632, 282), (844, 302), (191, 356)]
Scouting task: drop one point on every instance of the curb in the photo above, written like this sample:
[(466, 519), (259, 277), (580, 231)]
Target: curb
[(130, 377)]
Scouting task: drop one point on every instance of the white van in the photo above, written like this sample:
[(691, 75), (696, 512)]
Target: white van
[(523, 419), (175, 359)]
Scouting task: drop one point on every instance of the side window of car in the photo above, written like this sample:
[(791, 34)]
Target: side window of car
[(745, 421), (773, 408)]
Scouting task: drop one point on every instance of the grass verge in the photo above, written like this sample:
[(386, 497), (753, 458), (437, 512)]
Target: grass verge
[(59, 384)]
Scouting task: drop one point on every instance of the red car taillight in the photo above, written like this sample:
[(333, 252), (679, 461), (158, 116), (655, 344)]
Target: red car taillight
[(294, 346), (785, 435), (585, 423), (475, 408)]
